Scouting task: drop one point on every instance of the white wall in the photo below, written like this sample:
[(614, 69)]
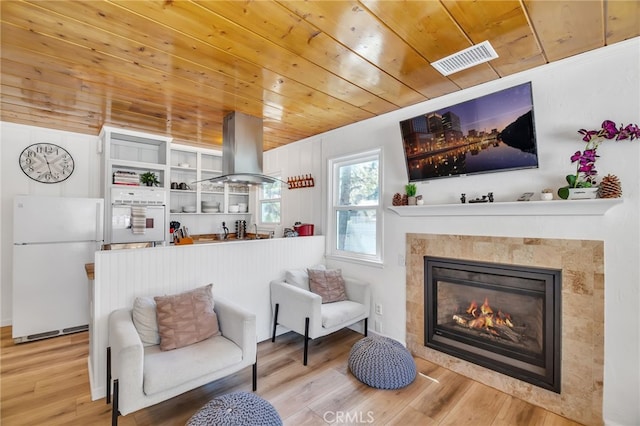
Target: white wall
[(579, 92), (303, 204), (84, 182)]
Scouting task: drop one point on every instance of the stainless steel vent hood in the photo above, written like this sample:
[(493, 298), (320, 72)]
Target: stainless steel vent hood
[(242, 150)]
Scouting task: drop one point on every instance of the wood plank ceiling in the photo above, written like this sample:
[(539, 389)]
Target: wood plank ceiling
[(177, 67)]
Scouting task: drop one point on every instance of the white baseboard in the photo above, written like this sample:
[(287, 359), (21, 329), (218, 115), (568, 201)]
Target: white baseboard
[(97, 386)]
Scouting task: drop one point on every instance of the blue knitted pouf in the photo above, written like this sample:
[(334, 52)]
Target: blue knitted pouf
[(236, 409), (382, 363)]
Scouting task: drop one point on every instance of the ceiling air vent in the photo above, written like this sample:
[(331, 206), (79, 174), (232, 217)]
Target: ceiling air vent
[(466, 58)]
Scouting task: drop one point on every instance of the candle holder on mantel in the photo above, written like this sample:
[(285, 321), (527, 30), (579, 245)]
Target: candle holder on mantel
[(302, 181)]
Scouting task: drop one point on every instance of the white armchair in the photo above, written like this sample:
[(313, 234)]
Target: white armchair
[(298, 309), (144, 375)]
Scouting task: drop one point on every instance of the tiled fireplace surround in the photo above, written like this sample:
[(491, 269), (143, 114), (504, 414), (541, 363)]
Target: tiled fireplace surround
[(582, 265)]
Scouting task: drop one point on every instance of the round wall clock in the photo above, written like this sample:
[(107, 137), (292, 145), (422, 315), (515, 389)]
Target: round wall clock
[(46, 163)]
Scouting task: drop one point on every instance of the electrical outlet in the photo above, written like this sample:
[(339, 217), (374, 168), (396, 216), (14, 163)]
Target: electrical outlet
[(401, 260), (378, 326), (378, 308)]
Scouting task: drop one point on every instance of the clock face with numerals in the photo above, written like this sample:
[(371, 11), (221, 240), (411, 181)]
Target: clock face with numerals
[(46, 163)]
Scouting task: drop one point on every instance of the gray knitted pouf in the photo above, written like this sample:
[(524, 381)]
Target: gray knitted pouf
[(382, 363), (236, 409)]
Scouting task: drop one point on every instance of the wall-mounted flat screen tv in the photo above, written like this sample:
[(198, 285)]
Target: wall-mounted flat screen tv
[(492, 133)]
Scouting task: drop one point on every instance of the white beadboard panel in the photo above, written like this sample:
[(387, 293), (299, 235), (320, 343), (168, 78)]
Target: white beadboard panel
[(303, 204), (240, 272)]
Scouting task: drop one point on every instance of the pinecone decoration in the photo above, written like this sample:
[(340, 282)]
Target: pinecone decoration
[(610, 187), (397, 199), (405, 200)]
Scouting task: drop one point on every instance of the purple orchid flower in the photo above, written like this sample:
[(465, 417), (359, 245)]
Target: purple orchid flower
[(631, 132), (609, 129), (586, 159), (588, 134), (634, 131), (588, 169)]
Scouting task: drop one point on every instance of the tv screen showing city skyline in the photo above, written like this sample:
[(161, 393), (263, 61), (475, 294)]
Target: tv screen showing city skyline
[(491, 133)]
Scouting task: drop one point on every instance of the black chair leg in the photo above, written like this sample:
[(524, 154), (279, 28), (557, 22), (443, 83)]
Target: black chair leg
[(306, 339), (114, 408), (255, 376), (366, 326), (109, 375), (275, 322)]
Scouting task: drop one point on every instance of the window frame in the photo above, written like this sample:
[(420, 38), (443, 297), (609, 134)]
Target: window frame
[(333, 181), (260, 200)]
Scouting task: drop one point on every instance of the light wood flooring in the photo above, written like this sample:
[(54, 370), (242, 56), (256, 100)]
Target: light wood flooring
[(46, 383)]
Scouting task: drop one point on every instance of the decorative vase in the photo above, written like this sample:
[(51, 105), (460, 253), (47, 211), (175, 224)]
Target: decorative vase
[(578, 193), (583, 193), (546, 196), (411, 201)]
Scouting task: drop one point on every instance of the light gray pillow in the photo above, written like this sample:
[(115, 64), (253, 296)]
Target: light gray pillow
[(300, 278), (144, 319)]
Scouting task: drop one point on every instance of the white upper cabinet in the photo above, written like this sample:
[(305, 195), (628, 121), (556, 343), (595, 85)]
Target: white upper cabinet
[(192, 193)]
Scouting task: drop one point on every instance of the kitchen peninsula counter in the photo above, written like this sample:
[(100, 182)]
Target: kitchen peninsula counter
[(214, 238), (240, 271), (89, 268), (197, 239)]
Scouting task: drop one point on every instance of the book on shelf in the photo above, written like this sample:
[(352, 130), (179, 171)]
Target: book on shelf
[(122, 177)]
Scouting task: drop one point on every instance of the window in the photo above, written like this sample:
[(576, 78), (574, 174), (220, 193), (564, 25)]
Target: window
[(269, 201), (356, 217)]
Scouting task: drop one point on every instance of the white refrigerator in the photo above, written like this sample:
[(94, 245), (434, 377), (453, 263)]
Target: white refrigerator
[(54, 237)]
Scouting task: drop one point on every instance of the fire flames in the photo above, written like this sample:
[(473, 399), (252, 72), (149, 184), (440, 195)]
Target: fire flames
[(483, 317)]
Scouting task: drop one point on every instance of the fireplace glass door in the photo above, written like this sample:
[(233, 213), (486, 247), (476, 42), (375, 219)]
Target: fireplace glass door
[(502, 317)]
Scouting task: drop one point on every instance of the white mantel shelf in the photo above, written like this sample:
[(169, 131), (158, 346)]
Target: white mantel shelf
[(595, 207)]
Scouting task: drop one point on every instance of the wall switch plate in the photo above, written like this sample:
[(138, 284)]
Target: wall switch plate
[(378, 309)]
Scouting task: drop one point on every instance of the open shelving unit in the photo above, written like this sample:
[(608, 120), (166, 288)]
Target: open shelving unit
[(203, 164), (132, 152)]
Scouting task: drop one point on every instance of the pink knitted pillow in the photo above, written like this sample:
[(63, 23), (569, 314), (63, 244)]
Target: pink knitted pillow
[(186, 318), (329, 284)]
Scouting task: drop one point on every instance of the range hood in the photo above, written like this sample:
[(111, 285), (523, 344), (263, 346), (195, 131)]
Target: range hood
[(242, 150)]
